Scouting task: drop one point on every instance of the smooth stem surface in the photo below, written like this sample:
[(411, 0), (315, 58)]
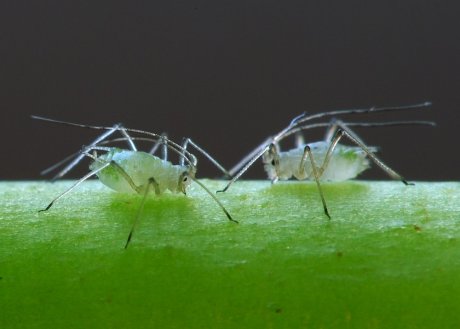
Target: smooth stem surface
[(388, 258)]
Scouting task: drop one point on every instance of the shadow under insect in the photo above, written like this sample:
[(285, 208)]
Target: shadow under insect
[(174, 206), (310, 190), (156, 217), (306, 193)]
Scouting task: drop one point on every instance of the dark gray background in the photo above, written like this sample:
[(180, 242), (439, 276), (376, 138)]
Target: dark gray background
[(228, 74)]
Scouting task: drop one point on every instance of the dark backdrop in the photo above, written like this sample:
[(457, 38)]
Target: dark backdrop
[(227, 73)]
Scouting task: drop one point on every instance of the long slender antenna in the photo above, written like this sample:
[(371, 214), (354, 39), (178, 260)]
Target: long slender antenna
[(362, 125), (362, 111)]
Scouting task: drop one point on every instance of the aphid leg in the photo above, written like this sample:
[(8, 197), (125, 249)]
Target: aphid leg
[(235, 169), (299, 140), (334, 125), (137, 189), (355, 139), (215, 199), (241, 167), (151, 182), (158, 142), (155, 147), (60, 163), (129, 180), (164, 147), (80, 156), (129, 140), (316, 175), (81, 180), (188, 141), (185, 142), (332, 129), (118, 168), (86, 149), (257, 155), (343, 130)]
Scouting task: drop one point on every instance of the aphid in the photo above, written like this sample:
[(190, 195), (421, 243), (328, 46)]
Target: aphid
[(134, 171), (325, 160)]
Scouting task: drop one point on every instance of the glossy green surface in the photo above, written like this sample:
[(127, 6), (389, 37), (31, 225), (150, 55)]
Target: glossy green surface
[(389, 258)]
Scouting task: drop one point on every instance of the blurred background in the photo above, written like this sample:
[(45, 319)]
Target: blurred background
[(228, 74)]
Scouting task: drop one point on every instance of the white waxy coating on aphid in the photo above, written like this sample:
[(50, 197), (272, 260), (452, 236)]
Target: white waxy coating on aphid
[(140, 166), (345, 163)]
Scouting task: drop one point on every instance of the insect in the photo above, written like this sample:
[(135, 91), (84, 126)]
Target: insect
[(134, 171), (325, 160)]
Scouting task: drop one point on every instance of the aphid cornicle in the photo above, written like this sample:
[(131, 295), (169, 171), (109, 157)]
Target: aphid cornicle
[(325, 160), (134, 171)]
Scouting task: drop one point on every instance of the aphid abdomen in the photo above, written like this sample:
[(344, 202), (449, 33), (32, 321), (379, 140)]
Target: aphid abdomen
[(346, 163), (289, 165), (140, 167)]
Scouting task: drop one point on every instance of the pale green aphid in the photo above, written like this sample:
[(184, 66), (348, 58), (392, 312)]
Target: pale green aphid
[(325, 160), (134, 171), (345, 163), (140, 167)]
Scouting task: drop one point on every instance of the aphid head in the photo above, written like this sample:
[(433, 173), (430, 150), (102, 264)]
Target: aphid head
[(184, 180), (271, 162)]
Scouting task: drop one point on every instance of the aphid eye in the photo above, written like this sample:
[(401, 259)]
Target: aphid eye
[(273, 162), (185, 179)]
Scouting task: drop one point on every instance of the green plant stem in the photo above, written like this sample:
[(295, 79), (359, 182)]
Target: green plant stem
[(388, 258)]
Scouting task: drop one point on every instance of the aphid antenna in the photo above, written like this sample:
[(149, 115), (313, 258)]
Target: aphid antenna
[(373, 109), (295, 130)]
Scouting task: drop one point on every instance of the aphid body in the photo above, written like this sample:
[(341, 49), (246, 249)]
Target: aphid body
[(346, 162), (140, 167)]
